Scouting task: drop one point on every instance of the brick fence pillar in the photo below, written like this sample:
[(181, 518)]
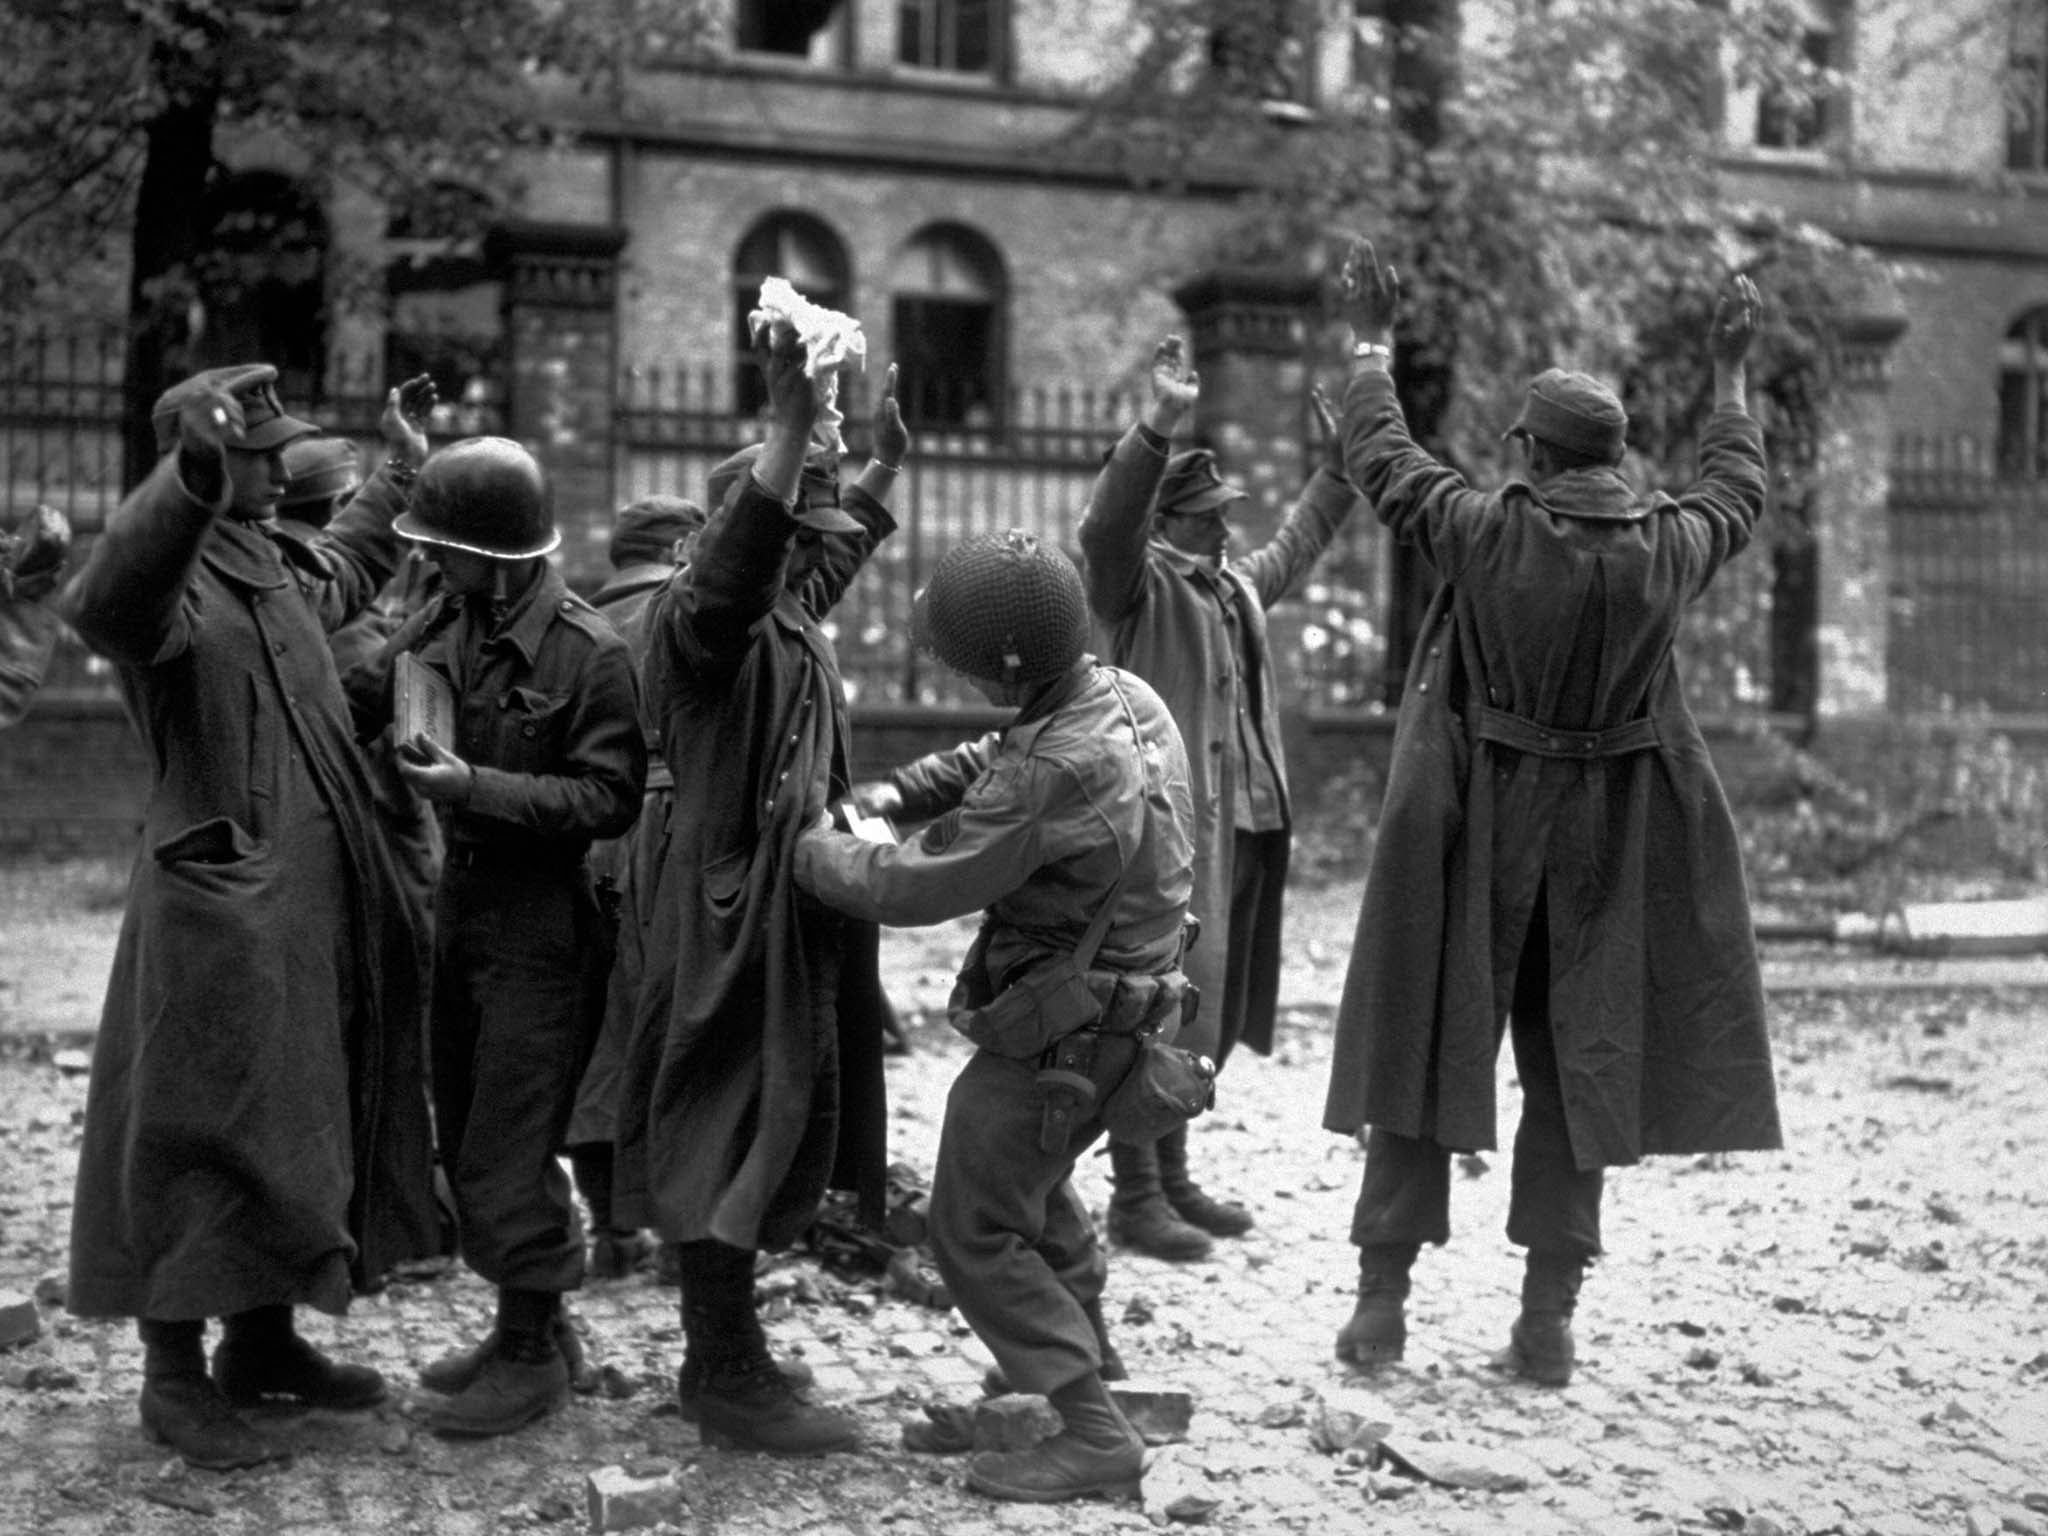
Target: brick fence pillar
[(561, 285), (1249, 331), (1854, 522)]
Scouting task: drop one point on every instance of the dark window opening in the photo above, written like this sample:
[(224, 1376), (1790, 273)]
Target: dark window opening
[(782, 26), (2023, 399), (1795, 112), (944, 355), (956, 35)]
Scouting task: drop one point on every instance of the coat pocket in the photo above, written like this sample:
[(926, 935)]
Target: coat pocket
[(212, 844), (526, 730)]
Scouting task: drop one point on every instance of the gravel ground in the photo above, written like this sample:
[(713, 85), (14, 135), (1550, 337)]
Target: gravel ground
[(1851, 1336)]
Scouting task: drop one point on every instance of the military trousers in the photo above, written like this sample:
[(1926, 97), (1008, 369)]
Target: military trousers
[(520, 959), (1553, 1204), (1011, 1237)]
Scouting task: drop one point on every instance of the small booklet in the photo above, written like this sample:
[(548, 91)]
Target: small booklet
[(423, 703), (869, 829)]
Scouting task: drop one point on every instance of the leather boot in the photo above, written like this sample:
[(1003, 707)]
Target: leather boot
[(1540, 1346), (740, 1398), (690, 1381), (1139, 1216), (524, 1376), (995, 1384), (182, 1408), (1193, 1204), (1095, 1455), (1377, 1333), (453, 1372), (262, 1356)]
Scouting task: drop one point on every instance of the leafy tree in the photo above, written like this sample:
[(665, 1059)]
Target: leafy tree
[(1544, 175), (113, 112)]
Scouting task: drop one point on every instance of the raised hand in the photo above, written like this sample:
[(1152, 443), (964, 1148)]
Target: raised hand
[(1738, 312), (1368, 294), (207, 423), (794, 398), (1175, 387), (889, 437), (404, 422)]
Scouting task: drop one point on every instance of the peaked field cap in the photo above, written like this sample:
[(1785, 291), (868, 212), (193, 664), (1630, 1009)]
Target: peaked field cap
[(1573, 411), (646, 530), (318, 468), (254, 387), (1193, 484)]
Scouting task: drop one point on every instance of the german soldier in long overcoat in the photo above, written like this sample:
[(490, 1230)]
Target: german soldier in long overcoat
[(1172, 607), (256, 1133), (1554, 845), (747, 1090)]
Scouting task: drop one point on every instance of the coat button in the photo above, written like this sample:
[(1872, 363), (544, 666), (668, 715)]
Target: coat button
[(526, 730), (1550, 741), (277, 647), (1422, 688), (567, 606)]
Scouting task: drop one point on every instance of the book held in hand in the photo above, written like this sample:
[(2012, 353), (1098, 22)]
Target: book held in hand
[(869, 829), (423, 703)]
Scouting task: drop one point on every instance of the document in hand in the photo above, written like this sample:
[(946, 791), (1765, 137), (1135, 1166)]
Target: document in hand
[(869, 829), (423, 703)]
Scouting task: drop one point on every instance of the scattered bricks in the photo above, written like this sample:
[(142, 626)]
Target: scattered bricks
[(1348, 1419), (623, 1500), (1016, 1421), (1160, 1414), (19, 1320), (51, 1289)]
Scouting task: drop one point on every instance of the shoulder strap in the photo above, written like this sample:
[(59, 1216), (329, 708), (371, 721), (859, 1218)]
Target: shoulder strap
[(1098, 928)]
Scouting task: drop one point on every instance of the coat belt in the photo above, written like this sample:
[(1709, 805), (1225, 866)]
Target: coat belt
[(1526, 735)]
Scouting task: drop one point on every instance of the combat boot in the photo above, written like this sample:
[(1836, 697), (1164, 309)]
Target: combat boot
[(524, 1376), (181, 1407), (261, 1356), (1193, 1204), (453, 1372), (1540, 1346), (1096, 1454), (747, 1404), (1139, 1216), (690, 1381), (1377, 1333)]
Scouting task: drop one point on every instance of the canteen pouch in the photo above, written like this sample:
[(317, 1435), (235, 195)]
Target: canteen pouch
[(1165, 1089), (1033, 1011)]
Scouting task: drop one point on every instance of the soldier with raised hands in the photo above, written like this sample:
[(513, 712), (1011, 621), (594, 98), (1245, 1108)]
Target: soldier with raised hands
[(256, 1136)]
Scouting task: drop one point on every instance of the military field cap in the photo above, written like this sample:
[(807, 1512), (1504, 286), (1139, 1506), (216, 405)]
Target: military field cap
[(645, 531), (1192, 485), (254, 387), (817, 493), (318, 469), (1573, 411)]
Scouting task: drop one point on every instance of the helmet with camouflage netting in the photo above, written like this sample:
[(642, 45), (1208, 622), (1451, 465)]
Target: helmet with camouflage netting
[(1005, 608)]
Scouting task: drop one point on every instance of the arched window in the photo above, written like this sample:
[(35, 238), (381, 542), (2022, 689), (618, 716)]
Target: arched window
[(949, 295), (805, 253), (447, 305), (2023, 398), (263, 280)]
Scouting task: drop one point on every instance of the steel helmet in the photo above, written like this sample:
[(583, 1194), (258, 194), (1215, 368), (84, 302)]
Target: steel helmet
[(318, 469), (486, 495), (1004, 607)]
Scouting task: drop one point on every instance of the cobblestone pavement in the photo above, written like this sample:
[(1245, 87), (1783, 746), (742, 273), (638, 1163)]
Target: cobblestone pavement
[(1851, 1336)]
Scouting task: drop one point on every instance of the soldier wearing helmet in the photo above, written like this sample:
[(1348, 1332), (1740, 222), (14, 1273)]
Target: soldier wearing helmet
[(754, 1078), (543, 754), (256, 1138), (1177, 608), (1076, 813)]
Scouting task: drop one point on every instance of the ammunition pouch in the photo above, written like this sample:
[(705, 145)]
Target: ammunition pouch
[(1122, 1065)]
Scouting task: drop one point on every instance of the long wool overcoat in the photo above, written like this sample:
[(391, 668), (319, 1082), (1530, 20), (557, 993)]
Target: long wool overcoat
[(751, 1084), (1160, 614), (256, 1127), (1555, 622)]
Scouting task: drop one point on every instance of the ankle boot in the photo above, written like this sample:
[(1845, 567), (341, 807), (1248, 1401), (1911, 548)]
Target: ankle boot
[(1095, 1455), (1377, 1333), (262, 1356), (524, 1376), (690, 1380), (995, 1384), (1139, 1216), (453, 1372), (1190, 1202), (1540, 1346), (737, 1394), (182, 1408)]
